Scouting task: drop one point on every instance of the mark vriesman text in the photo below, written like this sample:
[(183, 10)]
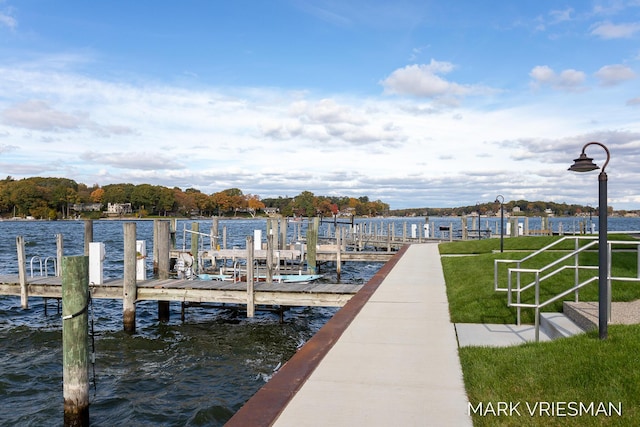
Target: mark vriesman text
[(545, 409)]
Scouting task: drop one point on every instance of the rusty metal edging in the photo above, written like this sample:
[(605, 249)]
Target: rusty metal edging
[(264, 408)]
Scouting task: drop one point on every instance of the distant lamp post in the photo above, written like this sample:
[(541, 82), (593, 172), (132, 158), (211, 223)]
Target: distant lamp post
[(585, 164), (500, 199)]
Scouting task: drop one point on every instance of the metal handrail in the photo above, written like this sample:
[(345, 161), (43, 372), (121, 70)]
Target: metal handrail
[(537, 305), (518, 262)]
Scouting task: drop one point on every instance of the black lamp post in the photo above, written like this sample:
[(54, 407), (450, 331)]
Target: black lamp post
[(585, 164), (500, 199)]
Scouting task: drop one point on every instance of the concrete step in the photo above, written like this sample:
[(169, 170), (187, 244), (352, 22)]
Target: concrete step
[(584, 314), (559, 325)]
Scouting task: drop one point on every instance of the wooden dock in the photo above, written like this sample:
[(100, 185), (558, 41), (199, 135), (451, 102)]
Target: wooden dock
[(197, 291)]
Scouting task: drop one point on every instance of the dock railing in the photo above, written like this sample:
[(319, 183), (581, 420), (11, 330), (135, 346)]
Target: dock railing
[(569, 261)]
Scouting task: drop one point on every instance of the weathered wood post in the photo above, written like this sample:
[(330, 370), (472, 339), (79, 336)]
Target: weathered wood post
[(250, 284), (88, 235), (214, 233), (155, 247), (195, 240), (173, 229), (312, 243), (75, 340), (129, 288), (404, 231), (22, 273), (59, 253), (282, 244), (270, 245), (464, 227), (224, 237), (163, 266)]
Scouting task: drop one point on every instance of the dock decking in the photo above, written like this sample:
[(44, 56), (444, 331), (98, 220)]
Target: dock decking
[(202, 291)]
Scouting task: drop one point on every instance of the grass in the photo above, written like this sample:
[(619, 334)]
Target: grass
[(580, 369), (470, 286)]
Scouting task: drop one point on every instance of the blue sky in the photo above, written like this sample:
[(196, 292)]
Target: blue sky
[(416, 103)]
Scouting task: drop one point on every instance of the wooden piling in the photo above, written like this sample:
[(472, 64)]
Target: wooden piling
[(312, 242), (88, 235), (129, 288), (270, 245), (195, 239), (75, 340), (163, 243), (173, 229), (22, 273), (250, 284), (60, 253), (282, 243), (155, 247), (215, 244)]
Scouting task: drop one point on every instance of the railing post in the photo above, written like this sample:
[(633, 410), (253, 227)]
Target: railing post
[(576, 273)]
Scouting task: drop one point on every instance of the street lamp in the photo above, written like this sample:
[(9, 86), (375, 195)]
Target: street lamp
[(500, 199), (585, 164)]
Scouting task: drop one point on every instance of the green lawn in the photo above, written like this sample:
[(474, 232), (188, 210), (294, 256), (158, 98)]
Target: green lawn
[(582, 370)]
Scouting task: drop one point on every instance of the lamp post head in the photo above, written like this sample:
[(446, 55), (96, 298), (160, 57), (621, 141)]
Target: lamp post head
[(499, 199), (583, 164)]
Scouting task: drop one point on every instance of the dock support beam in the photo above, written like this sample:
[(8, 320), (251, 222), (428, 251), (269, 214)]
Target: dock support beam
[(163, 265), (250, 284), (129, 289), (22, 273), (75, 340)]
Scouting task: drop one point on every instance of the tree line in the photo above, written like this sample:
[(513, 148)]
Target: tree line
[(55, 198)]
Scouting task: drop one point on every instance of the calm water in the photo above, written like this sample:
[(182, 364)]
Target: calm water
[(194, 373)]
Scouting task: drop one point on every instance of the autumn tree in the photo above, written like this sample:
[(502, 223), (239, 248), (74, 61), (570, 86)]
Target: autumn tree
[(253, 204)]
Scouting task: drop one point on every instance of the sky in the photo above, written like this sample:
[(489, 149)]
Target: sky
[(422, 103)]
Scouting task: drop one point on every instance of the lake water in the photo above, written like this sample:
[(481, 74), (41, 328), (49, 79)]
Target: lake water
[(197, 373), (193, 373)]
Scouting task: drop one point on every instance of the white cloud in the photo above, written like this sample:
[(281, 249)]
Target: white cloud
[(567, 80), (425, 80), (7, 20), (38, 115), (611, 75), (607, 30)]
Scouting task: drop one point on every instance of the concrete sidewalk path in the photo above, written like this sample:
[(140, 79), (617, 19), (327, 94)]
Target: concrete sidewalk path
[(396, 364)]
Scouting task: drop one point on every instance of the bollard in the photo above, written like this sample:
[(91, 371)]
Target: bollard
[(75, 340)]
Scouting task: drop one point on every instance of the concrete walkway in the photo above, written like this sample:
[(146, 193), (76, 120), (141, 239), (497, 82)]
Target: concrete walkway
[(394, 364)]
